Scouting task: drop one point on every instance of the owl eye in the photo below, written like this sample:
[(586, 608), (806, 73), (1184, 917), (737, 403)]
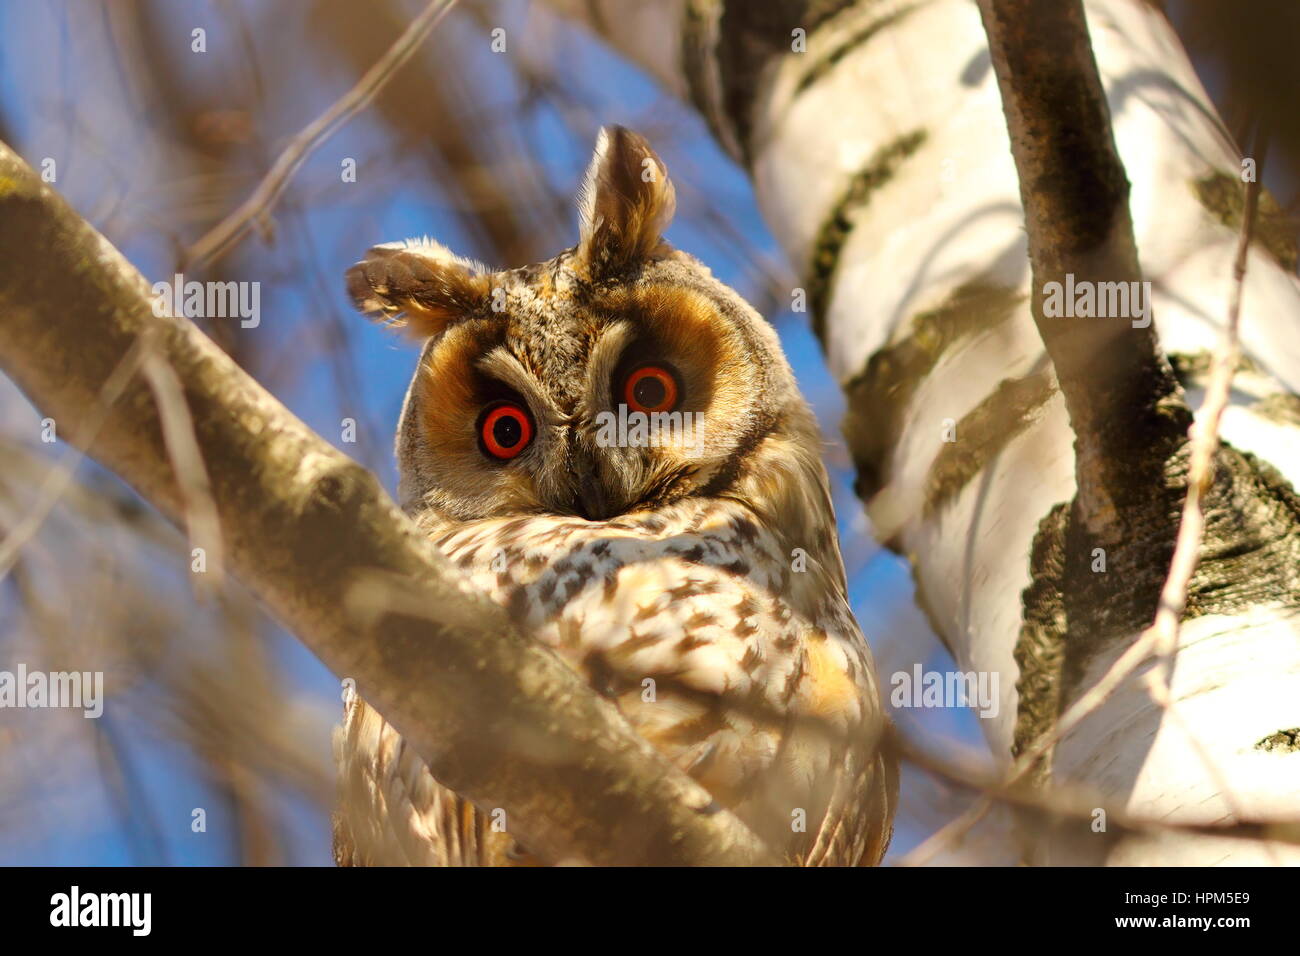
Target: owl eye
[(505, 430), (651, 388)]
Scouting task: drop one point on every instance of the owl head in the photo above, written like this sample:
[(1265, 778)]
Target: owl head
[(618, 376)]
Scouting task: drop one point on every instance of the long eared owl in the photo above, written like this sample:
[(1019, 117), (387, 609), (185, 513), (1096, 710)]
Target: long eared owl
[(612, 445)]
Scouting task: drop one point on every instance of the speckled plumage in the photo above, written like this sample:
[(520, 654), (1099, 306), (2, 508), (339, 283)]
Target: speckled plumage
[(699, 587)]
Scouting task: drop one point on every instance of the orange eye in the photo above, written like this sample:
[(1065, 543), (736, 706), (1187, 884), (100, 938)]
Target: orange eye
[(505, 431), (651, 388)]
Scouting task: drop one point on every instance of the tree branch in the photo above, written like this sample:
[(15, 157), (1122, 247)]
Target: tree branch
[(497, 718), (224, 234), (1124, 403)]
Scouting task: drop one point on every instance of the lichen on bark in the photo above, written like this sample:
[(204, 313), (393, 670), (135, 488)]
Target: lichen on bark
[(1250, 555)]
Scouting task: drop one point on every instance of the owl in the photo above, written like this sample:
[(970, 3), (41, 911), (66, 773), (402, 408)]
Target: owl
[(612, 445)]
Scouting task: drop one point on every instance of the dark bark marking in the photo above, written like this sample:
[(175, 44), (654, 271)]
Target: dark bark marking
[(1040, 649), (1193, 368), (879, 395), (1222, 196), (1284, 741), (827, 63), (1193, 371), (1281, 408), (983, 433), (1250, 556), (835, 230)]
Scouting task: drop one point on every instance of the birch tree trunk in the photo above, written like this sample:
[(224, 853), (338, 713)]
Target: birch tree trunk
[(881, 160)]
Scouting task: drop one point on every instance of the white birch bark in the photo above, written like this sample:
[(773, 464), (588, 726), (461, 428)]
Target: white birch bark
[(882, 163)]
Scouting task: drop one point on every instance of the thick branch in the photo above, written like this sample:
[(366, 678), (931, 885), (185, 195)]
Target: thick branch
[(1120, 392), (498, 718)]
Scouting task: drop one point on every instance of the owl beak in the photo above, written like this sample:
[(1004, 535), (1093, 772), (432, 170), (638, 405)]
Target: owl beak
[(590, 498)]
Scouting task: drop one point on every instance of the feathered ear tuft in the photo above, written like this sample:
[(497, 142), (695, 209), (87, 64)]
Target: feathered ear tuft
[(419, 286), (625, 204)]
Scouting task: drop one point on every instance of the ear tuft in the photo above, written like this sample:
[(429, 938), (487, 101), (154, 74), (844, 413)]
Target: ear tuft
[(626, 203), (418, 285)]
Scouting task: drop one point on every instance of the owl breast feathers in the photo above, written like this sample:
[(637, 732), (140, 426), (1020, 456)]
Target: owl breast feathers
[(611, 444)]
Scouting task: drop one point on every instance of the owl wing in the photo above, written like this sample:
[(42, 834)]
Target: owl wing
[(864, 795), (392, 812)]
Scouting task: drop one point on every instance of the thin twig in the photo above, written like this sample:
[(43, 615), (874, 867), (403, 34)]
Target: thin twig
[(227, 232), (1205, 444), (1075, 803), (202, 523)]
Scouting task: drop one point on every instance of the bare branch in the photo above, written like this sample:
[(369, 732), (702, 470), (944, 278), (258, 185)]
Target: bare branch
[(229, 230), (426, 104), (1075, 804), (201, 522), (1121, 394), (1205, 443)]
